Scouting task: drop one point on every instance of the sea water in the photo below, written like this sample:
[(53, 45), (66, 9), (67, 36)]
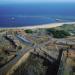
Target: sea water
[(29, 14)]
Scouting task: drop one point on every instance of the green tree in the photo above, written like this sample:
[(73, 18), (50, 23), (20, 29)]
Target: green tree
[(28, 31)]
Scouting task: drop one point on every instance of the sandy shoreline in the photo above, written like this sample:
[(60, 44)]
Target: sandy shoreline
[(51, 25)]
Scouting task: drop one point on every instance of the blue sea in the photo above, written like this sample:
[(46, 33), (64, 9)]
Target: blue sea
[(29, 14)]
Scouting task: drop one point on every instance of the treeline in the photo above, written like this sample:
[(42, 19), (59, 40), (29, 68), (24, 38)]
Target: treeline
[(50, 31), (58, 33)]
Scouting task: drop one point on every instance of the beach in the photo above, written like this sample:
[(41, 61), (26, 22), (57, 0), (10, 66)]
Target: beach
[(51, 25)]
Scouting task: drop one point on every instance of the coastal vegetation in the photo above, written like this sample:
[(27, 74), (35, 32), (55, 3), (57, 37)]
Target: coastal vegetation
[(67, 27), (58, 33)]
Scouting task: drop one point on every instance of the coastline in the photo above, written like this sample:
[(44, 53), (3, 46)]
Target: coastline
[(51, 25)]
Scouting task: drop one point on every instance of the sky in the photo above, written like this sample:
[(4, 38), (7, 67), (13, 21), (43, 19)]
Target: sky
[(23, 1)]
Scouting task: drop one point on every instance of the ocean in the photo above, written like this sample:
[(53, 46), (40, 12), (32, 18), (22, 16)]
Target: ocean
[(29, 14)]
